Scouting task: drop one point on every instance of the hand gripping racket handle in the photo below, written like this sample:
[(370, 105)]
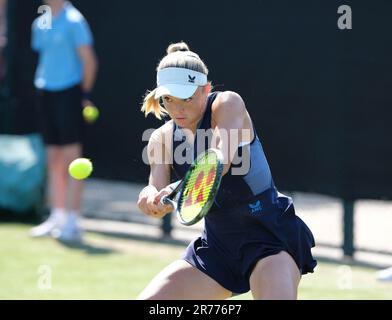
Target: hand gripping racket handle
[(167, 200)]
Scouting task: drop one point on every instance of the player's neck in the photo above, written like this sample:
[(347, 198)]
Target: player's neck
[(194, 125), (197, 123), (57, 7)]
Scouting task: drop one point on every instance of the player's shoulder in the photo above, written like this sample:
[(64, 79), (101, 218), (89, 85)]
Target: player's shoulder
[(228, 96), (73, 15), (165, 129), (35, 25), (163, 132), (228, 100)]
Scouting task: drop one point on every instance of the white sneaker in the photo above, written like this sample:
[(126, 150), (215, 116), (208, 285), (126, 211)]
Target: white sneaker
[(70, 232), (385, 275), (55, 220)]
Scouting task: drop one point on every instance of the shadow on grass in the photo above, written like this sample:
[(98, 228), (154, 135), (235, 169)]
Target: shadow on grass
[(164, 239), (87, 247), (31, 219), (350, 262)]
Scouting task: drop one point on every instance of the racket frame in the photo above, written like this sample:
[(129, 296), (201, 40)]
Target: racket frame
[(179, 188)]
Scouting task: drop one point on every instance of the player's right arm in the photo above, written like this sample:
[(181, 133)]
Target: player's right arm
[(159, 160)]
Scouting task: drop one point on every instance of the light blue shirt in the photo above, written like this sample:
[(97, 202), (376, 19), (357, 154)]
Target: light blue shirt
[(59, 66)]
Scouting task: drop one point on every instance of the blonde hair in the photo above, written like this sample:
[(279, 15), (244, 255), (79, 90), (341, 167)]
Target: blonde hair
[(178, 56)]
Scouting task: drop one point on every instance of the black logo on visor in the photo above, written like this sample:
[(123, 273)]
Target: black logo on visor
[(191, 79)]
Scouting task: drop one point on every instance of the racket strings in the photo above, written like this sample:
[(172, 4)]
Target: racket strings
[(198, 188)]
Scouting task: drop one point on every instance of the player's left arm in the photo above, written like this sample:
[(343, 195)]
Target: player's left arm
[(228, 119), (90, 67), (83, 42)]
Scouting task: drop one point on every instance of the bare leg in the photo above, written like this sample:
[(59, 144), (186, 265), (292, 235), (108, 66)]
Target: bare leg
[(180, 280), (69, 153), (70, 231), (57, 177), (275, 278)]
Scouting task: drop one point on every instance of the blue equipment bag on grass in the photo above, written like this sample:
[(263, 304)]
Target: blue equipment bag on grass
[(22, 172)]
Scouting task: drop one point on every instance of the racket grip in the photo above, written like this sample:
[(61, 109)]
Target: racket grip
[(174, 185), (167, 201)]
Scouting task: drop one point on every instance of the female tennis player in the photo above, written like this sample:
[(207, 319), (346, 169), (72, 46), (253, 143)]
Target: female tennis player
[(252, 238)]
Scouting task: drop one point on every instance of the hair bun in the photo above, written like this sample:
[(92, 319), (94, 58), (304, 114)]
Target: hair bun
[(179, 46)]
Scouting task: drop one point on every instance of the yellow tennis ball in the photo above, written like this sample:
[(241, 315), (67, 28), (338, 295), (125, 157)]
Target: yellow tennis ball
[(80, 169), (90, 113)]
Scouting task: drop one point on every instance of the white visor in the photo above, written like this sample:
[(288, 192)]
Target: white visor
[(178, 82)]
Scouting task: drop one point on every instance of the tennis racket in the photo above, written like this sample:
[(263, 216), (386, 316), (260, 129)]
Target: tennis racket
[(196, 192)]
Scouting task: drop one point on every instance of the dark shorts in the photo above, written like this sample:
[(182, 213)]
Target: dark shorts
[(235, 240), (60, 118)]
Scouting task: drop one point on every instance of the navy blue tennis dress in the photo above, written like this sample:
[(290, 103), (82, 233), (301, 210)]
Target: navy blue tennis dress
[(249, 220)]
